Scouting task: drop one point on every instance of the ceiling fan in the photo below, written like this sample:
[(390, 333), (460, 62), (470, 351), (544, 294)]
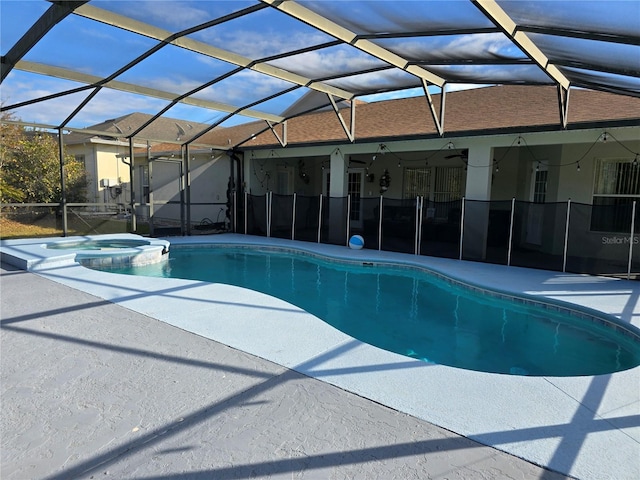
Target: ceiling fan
[(463, 155)]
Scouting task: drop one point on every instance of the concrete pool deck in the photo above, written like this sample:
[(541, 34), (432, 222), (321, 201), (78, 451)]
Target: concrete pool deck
[(586, 427)]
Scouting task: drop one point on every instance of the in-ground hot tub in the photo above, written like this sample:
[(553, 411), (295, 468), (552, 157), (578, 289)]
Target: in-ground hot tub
[(106, 251)]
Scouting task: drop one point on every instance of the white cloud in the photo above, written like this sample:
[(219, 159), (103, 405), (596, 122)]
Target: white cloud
[(323, 63), (107, 104), (476, 46), (260, 43), (176, 14), (416, 92)]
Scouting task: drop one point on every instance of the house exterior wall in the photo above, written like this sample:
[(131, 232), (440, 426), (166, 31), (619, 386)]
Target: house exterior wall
[(103, 161)]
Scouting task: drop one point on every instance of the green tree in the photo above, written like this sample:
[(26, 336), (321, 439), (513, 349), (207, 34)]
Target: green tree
[(30, 167)]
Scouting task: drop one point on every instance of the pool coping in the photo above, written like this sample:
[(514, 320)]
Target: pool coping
[(33, 254), (584, 313), (581, 426)]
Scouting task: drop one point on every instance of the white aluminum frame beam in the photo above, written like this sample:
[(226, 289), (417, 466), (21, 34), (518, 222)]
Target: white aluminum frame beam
[(502, 20), (350, 131), (80, 77), (299, 12), (126, 23)]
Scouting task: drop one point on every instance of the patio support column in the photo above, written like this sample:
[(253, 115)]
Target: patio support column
[(478, 196), (337, 212)]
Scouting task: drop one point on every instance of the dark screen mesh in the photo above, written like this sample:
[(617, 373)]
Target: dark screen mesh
[(256, 215), (476, 219), (599, 241), (307, 215), (334, 220), (398, 225), (635, 252), (596, 252), (441, 229), (281, 215), (538, 235), (498, 232), (370, 222)]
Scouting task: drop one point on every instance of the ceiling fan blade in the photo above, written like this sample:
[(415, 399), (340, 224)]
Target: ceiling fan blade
[(464, 154)]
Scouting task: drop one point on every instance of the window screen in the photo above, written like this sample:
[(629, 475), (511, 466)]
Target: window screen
[(417, 182), (616, 186), (448, 184)]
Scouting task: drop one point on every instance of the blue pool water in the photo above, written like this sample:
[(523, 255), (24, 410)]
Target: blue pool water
[(108, 244), (414, 313)]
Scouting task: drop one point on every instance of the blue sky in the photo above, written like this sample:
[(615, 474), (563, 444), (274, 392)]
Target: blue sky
[(93, 48), (73, 44)]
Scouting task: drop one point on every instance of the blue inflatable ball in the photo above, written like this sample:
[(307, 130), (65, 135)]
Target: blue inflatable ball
[(356, 242)]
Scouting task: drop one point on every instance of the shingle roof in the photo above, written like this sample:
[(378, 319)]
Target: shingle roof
[(468, 112), (162, 128)]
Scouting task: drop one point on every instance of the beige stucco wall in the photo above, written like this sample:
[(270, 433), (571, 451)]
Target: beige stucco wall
[(102, 161)]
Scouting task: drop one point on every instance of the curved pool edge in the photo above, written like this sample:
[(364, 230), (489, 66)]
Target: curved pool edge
[(540, 419), (584, 313)]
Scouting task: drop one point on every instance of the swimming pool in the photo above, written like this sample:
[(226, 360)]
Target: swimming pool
[(415, 313)]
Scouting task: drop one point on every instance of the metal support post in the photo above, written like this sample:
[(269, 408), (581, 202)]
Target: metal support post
[(633, 226), (320, 219), (246, 210), (268, 200), (293, 218), (566, 237), (513, 209), (63, 192), (132, 169), (418, 236), (461, 227), (380, 226), (348, 218), (234, 199)]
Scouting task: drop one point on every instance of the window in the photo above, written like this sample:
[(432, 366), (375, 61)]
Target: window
[(437, 184), (144, 183), (354, 188), (616, 186), (417, 182), (284, 181), (81, 159), (540, 186), (448, 184)]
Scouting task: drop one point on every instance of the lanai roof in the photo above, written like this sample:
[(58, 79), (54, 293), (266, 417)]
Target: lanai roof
[(212, 62)]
